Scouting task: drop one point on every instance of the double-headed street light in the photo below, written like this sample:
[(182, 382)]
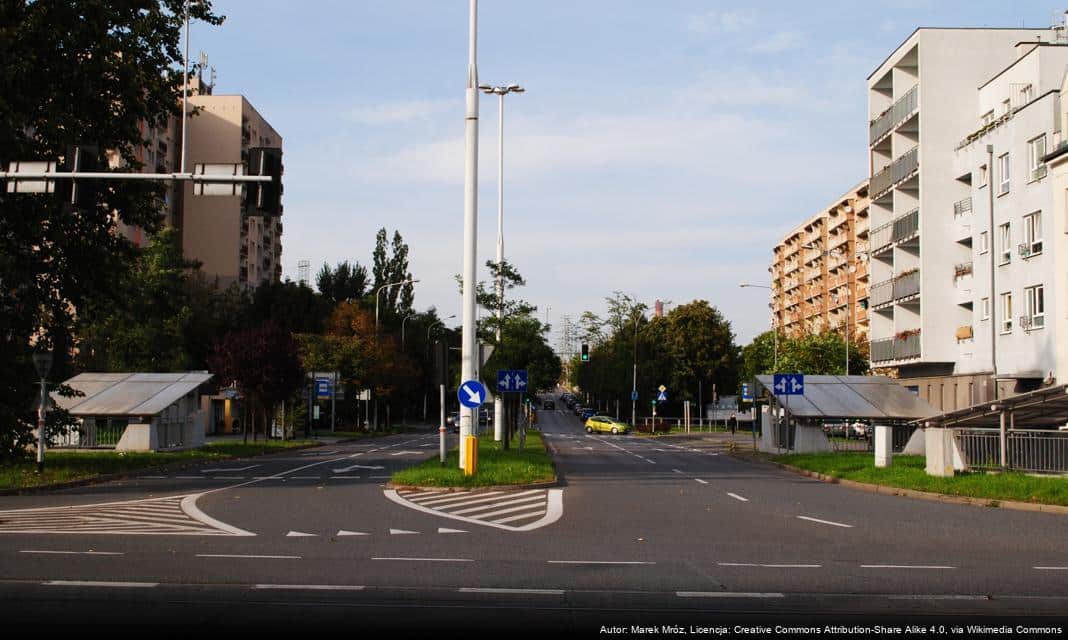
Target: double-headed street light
[(500, 92), (775, 328), (378, 293)]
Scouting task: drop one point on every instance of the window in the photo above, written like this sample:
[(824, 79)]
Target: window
[(1003, 174), (1036, 150), (984, 241), (984, 309), (982, 175), (1035, 308), (1006, 312), (1027, 94), (1004, 244), (988, 117), (1032, 240)]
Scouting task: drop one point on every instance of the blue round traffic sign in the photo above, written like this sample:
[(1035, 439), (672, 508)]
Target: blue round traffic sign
[(471, 394)]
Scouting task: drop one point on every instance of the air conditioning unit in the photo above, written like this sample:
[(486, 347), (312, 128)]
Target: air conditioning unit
[(1006, 257), (1038, 172), (1025, 322)]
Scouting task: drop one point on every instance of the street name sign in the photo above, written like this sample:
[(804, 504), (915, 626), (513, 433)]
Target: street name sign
[(471, 394), (789, 384)]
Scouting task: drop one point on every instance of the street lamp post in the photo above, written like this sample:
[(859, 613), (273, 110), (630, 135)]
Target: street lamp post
[(402, 330), (775, 328), (378, 293), (634, 382), (42, 361), (468, 345), (500, 92)]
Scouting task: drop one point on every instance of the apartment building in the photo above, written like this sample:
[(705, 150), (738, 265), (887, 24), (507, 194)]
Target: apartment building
[(231, 246), (819, 275), (158, 154), (921, 104), (1055, 238)]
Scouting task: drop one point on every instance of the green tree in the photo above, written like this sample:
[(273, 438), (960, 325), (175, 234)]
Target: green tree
[(380, 261), (110, 68), (343, 283), (701, 347)]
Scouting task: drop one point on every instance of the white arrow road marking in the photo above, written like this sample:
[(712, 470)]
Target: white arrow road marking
[(401, 532), (342, 532), (445, 530), (251, 466), (300, 534), (357, 466)]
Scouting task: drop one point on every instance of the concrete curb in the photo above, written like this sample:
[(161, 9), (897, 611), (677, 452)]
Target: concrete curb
[(912, 493), (135, 473)]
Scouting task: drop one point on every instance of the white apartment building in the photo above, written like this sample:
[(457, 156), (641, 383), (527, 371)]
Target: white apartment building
[(1002, 162), (921, 104), (1055, 235)]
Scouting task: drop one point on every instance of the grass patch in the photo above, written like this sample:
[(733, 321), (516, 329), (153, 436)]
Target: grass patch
[(907, 472), (496, 466), (67, 466)]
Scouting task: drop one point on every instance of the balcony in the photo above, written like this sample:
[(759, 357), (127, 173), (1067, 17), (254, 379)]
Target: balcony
[(882, 238), (882, 350), (907, 285), (906, 226), (895, 172), (907, 345), (882, 293), (962, 284), (901, 110)]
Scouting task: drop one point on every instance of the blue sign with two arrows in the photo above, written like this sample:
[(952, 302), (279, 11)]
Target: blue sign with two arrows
[(512, 380), (789, 384)]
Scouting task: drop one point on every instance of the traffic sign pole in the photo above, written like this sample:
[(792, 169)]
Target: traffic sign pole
[(469, 346)]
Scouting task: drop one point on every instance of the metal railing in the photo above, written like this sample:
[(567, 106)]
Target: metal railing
[(881, 293), (894, 173), (91, 436), (1027, 449), (907, 285), (881, 237), (906, 225), (962, 207), (895, 115), (882, 350), (907, 347)]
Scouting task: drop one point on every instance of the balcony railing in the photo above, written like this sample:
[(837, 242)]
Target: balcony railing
[(882, 350), (907, 285), (897, 171), (962, 207), (907, 346), (881, 237), (907, 225), (882, 293), (895, 115)]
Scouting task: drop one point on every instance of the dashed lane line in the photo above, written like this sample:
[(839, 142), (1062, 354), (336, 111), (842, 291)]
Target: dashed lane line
[(246, 556), (726, 594), (833, 524), (524, 592), (905, 566), (737, 497), (769, 566), (609, 562), (427, 559), (701, 481), (100, 583), (310, 587), (251, 466), (1052, 568), (73, 553)]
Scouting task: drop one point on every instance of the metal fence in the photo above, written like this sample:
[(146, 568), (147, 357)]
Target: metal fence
[(906, 225), (899, 437), (893, 116), (1027, 449), (100, 433)]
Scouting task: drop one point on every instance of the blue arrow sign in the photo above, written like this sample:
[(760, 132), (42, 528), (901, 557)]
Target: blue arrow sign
[(661, 396), (634, 396), (322, 388), (789, 384), (471, 394), (512, 380), (745, 392)]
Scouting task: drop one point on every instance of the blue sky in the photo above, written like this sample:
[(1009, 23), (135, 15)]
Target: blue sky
[(662, 148)]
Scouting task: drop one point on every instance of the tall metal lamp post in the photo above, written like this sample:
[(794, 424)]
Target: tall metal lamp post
[(42, 361)]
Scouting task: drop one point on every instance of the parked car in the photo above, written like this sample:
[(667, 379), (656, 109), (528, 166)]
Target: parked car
[(548, 404), (605, 424), (587, 413)]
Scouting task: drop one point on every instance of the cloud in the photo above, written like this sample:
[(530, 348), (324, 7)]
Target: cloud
[(778, 42), (399, 112), (717, 22)]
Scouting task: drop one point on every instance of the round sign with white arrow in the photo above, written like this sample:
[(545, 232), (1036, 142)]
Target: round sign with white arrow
[(471, 394)]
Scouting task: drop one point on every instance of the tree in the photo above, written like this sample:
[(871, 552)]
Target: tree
[(294, 307), (702, 348), (110, 68), (379, 261), (812, 354), (344, 283), (264, 363), (398, 272)]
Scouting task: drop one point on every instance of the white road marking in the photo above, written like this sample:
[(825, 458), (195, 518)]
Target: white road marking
[(98, 583), (342, 532), (228, 477), (701, 481), (676, 471), (300, 534), (250, 557), (554, 511), (406, 453), (251, 466), (522, 516), (153, 477), (311, 587), (359, 466), (833, 524), (537, 497), (737, 497), (75, 553), (937, 596), (1052, 568), (345, 477), (904, 566), (318, 453), (461, 499), (725, 594), (770, 566), (533, 592), (402, 532), (531, 508), (427, 559), (189, 477), (379, 477), (623, 562), (445, 530)]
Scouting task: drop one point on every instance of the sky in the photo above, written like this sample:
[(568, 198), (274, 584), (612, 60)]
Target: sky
[(661, 149)]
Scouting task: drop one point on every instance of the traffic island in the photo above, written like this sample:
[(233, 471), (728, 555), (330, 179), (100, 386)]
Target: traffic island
[(65, 469), (907, 477), (498, 467)]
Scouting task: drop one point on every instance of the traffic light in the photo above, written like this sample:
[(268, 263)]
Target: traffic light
[(585, 352), (264, 198)]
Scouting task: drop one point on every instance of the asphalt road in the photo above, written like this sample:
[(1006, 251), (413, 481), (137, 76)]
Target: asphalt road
[(652, 532)]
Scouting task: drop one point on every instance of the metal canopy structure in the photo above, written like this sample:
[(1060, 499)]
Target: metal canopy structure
[(867, 397), (1044, 408), (128, 394)]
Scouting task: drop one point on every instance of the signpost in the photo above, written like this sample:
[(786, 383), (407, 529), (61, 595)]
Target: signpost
[(471, 394), (512, 381), (322, 388), (788, 384)]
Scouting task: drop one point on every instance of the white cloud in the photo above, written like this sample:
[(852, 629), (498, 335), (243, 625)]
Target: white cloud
[(716, 22), (778, 42), (399, 112)]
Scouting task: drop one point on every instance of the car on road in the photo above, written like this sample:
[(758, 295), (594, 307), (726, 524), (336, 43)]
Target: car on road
[(452, 421), (605, 424), (548, 404), (587, 413)]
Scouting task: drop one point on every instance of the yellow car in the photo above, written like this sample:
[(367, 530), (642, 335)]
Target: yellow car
[(604, 424)]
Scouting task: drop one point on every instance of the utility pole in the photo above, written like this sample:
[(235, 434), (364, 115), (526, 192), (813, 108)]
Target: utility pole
[(469, 344)]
